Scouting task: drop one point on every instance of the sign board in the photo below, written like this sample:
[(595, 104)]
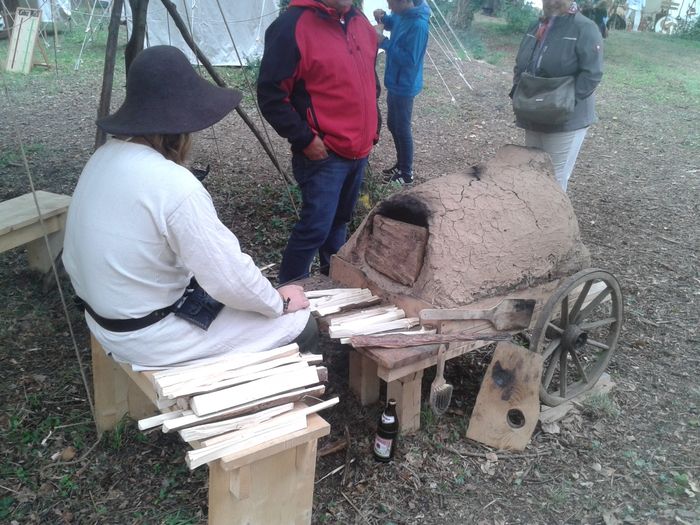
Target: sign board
[(23, 39)]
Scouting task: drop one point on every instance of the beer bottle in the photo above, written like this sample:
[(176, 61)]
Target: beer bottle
[(387, 432)]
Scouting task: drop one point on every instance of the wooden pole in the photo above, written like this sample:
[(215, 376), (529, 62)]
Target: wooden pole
[(184, 31), (108, 73)]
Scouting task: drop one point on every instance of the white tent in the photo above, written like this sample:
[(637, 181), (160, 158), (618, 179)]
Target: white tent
[(246, 20)]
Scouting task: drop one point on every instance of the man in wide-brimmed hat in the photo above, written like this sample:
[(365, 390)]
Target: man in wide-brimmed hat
[(141, 228)]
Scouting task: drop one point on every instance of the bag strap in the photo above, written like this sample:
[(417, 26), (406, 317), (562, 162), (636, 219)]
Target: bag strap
[(127, 325)]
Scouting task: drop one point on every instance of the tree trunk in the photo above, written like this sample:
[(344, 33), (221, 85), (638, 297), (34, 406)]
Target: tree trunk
[(463, 14), (138, 32)]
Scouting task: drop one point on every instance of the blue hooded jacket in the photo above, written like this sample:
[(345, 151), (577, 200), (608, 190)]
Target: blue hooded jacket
[(405, 50)]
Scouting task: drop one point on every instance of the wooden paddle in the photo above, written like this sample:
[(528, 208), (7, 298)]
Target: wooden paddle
[(509, 314)]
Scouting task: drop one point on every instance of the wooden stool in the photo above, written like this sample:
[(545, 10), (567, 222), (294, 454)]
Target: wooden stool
[(20, 224), (271, 483)]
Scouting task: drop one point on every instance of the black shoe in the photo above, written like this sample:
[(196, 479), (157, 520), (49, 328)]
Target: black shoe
[(391, 171), (402, 179)]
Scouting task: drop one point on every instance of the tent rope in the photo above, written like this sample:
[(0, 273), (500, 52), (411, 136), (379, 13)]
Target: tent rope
[(249, 85), (452, 31), (44, 229)]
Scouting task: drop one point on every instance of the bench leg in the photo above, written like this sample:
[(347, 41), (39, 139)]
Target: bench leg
[(364, 381), (111, 388), (38, 255), (407, 392), (115, 393), (275, 490)]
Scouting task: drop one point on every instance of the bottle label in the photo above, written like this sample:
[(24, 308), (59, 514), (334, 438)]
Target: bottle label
[(382, 447), (388, 419)]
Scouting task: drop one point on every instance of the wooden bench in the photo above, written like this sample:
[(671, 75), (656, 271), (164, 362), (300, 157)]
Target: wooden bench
[(20, 224), (271, 483)]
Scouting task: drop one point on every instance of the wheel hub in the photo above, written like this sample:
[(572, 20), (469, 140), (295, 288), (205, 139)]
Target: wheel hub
[(574, 338)]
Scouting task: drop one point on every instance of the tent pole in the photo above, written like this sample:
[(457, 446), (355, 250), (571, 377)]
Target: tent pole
[(139, 9), (172, 10), (108, 73)]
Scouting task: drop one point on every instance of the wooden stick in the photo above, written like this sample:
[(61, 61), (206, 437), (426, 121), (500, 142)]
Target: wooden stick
[(237, 395), (155, 421), (362, 314), (208, 430), (259, 404), (203, 385), (299, 409), (329, 310), (374, 328), (314, 294), (275, 427), (402, 341), (178, 374)]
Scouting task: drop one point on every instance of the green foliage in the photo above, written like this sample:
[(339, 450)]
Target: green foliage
[(691, 31), (600, 406), (519, 16)]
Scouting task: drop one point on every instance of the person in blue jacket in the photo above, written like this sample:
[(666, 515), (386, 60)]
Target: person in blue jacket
[(403, 75)]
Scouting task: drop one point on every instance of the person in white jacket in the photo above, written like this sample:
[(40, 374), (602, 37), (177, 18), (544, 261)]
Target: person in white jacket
[(162, 280), (634, 12)]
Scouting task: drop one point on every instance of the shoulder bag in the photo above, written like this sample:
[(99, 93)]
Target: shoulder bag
[(544, 100)]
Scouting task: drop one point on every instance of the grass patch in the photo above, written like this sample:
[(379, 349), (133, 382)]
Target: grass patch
[(600, 406)]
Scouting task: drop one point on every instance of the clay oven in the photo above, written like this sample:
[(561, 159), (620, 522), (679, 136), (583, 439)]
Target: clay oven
[(498, 227)]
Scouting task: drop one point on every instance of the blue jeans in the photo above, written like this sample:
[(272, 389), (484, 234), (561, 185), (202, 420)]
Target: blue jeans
[(398, 120), (329, 191)]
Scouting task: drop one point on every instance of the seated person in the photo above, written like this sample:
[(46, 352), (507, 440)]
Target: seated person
[(141, 226)]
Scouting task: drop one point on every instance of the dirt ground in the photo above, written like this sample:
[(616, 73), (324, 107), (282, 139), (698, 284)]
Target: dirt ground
[(635, 190)]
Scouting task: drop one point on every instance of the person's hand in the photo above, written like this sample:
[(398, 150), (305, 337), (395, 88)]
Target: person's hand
[(316, 150), (293, 297), (380, 38), (378, 15)]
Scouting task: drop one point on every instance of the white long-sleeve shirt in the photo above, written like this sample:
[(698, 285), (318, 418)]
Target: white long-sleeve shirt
[(139, 226)]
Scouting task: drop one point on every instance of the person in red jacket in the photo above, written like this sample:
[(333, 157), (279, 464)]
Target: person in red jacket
[(318, 88)]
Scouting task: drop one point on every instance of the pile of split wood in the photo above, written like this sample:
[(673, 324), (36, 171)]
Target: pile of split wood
[(225, 408), (343, 312)]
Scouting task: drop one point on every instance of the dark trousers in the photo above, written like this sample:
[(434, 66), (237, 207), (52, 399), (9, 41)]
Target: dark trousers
[(398, 120), (329, 191)]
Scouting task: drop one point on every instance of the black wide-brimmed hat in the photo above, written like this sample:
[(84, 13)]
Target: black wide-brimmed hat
[(166, 96)]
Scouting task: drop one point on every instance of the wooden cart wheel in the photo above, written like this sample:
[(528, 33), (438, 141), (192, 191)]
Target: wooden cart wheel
[(576, 333)]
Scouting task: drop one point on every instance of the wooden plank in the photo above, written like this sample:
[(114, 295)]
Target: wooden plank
[(259, 404), (373, 328), (249, 438), (298, 408), (158, 420), (285, 470), (508, 404), (407, 393), (111, 387), (208, 384), (217, 428), (316, 428), (21, 211), (25, 31), (184, 373), (363, 379), (408, 339), (396, 249), (237, 395)]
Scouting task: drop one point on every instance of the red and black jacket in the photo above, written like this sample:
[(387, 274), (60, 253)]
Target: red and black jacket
[(317, 77)]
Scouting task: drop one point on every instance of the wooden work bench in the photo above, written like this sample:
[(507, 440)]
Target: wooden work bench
[(20, 224), (271, 483)]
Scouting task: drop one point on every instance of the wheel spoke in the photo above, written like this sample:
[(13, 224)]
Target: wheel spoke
[(598, 344), (550, 348), (563, 358), (579, 367), (594, 303), (597, 324), (564, 315), (580, 299), (551, 369), (555, 328)]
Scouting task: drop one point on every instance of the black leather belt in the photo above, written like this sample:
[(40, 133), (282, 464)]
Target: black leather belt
[(127, 325)]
